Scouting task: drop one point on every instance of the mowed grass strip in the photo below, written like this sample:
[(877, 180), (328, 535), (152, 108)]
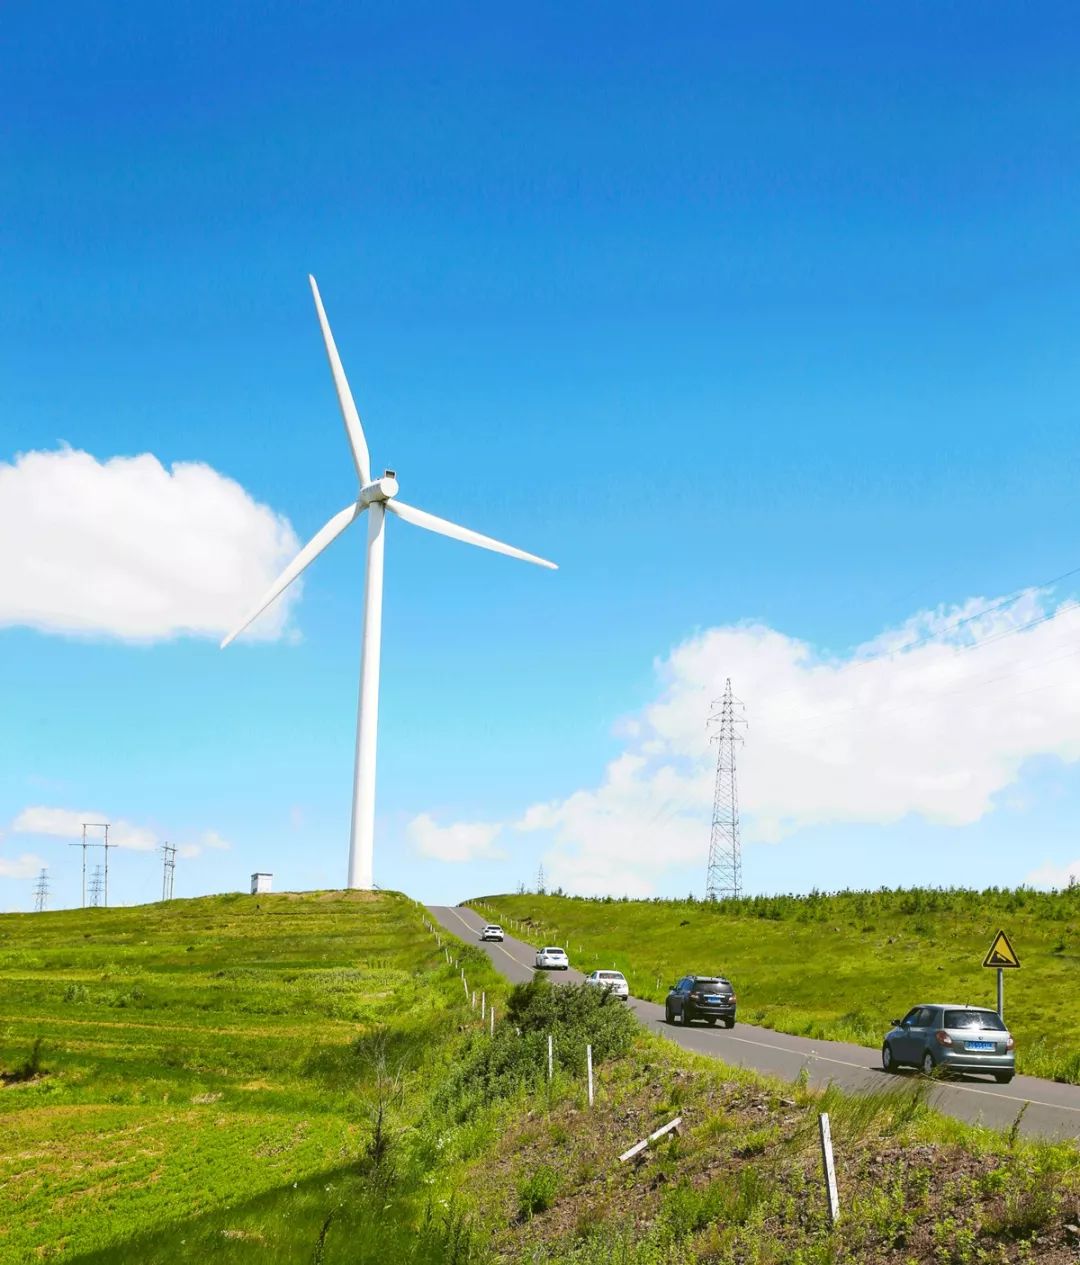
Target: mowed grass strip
[(195, 1054), (838, 966)]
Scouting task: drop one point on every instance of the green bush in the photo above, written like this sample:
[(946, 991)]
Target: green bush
[(576, 1015), (30, 1068), (537, 1192), (515, 1059)]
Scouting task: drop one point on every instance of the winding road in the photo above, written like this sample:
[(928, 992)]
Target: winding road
[(1053, 1110)]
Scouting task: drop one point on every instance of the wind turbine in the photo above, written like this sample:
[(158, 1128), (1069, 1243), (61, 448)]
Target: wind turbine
[(376, 496)]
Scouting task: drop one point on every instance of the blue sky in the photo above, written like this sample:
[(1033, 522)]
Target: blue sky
[(763, 323)]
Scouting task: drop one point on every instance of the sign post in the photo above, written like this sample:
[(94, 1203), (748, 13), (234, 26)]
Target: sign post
[(1001, 957)]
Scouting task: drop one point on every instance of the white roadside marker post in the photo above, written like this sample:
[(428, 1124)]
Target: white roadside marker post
[(492, 1033), (465, 982), (472, 999), (483, 1007), (588, 1063), (830, 1171), (551, 1057), (638, 1147)]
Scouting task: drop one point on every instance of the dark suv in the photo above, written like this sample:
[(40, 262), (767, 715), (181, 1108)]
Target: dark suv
[(708, 997)]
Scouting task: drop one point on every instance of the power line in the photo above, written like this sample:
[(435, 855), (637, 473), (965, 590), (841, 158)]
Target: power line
[(724, 874)]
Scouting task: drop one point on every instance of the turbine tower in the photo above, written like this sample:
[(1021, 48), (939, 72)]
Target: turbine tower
[(376, 497), (724, 877)]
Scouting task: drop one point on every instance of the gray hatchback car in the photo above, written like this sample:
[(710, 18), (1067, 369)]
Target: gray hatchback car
[(955, 1038)]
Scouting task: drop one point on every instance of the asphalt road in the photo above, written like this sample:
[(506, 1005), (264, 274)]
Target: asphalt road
[(1053, 1110)]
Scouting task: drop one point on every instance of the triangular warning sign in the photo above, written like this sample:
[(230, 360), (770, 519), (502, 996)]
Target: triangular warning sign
[(1002, 954)]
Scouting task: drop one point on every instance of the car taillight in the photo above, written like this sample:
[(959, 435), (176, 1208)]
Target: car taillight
[(942, 1037), (1010, 1044)]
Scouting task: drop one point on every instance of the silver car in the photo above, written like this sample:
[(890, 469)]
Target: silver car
[(954, 1038)]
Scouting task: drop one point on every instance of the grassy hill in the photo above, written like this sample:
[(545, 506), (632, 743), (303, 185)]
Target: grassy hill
[(839, 966), (166, 1063), (300, 1078)]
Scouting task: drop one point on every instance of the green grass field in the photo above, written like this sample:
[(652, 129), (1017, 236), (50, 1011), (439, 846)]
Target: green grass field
[(839, 966), (208, 1064), (298, 1079)]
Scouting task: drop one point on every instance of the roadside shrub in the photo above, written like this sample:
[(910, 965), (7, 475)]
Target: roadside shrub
[(576, 1015), (515, 1059), (76, 994), (537, 1192)]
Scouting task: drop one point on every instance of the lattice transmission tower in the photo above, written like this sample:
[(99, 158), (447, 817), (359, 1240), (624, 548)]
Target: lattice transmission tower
[(724, 877), (41, 891), (95, 887), (168, 852)]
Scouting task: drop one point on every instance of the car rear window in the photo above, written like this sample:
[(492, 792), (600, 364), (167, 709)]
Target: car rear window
[(554, 950), (984, 1019), (611, 975), (711, 986)]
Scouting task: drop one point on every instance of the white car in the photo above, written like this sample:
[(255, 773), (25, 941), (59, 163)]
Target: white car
[(492, 932), (552, 959), (613, 981)]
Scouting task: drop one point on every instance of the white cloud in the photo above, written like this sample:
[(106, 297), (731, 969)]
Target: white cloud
[(211, 839), (1051, 875), (933, 719), (128, 549), (67, 823), (462, 841), (25, 866)]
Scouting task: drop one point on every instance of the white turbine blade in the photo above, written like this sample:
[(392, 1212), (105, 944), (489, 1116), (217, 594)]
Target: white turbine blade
[(308, 554), (421, 518), (341, 384)]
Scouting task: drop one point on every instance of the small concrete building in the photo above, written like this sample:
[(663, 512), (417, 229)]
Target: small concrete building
[(260, 883)]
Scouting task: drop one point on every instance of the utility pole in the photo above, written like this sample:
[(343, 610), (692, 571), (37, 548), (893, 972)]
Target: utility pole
[(89, 843), (724, 877), (169, 871), (84, 845), (540, 882), (41, 891), (95, 888)]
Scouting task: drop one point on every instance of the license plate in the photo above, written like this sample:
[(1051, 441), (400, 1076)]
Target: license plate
[(979, 1045)]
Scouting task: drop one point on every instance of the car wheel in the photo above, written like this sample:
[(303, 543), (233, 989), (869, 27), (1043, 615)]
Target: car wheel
[(669, 1017), (729, 1023), (888, 1063), (1003, 1078), (928, 1064)]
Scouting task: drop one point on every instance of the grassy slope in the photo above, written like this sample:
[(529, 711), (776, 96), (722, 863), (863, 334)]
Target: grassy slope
[(203, 1056), (215, 1068), (839, 966), (742, 1182)]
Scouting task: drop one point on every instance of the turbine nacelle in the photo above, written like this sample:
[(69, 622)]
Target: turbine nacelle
[(379, 489)]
